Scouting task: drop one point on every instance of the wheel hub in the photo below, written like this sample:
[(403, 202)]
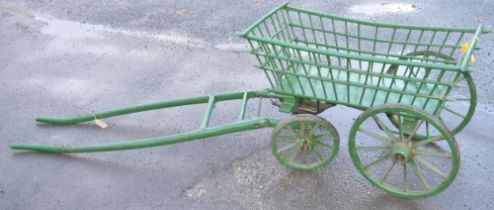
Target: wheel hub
[(307, 144), (401, 153)]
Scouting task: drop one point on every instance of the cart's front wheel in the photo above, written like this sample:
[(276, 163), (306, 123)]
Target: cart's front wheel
[(305, 142), (395, 161)]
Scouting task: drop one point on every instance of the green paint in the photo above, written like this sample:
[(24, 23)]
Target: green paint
[(403, 153), (289, 104), (297, 142), (203, 132), (151, 142), (321, 58)]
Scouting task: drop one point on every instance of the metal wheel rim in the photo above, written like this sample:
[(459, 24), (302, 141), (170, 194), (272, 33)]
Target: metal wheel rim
[(424, 116), (278, 152)]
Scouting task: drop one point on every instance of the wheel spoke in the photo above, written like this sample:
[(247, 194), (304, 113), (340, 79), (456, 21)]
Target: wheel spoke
[(318, 137), (400, 127), (286, 138), (453, 112), (296, 128), (314, 126), (376, 136), (427, 128), (463, 99), (431, 167), (419, 173), (417, 126), (405, 178), (301, 126), (306, 127), (427, 141), (380, 159), (433, 153), (318, 155), (324, 144), (385, 128), (387, 172), (294, 157), (306, 158), (293, 130), (372, 148), (288, 147)]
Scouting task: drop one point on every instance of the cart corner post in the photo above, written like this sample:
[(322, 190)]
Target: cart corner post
[(259, 21)]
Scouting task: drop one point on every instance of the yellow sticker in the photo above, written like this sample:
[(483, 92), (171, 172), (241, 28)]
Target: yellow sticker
[(464, 49), (101, 123)]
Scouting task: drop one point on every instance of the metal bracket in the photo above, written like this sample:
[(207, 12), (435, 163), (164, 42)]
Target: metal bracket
[(289, 104)]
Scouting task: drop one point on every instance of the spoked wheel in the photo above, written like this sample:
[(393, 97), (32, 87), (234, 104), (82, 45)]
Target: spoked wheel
[(454, 115), (305, 142), (457, 115), (395, 161)]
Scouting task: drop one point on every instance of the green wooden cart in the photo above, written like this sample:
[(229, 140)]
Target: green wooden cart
[(405, 79)]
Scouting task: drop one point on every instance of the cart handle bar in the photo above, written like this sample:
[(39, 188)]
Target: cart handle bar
[(238, 126)]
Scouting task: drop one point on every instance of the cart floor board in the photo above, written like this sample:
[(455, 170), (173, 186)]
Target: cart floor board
[(346, 89)]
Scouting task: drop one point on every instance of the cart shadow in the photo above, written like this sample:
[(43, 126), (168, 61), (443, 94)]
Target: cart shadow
[(322, 190), (384, 201)]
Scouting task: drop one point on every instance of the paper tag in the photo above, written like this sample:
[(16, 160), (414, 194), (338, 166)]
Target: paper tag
[(464, 48), (101, 123), (182, 12)]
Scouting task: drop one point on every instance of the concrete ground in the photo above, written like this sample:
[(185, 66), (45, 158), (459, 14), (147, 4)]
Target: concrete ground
[(74, 57)]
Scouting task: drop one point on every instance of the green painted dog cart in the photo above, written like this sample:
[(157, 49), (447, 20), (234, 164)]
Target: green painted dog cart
[(407, 80)]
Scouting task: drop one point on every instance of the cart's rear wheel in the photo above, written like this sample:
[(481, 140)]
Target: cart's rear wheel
[(397, 163), (454, 115), (305, 142)]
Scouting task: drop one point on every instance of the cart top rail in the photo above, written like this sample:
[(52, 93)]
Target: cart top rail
[(442, 38), (360, 63)]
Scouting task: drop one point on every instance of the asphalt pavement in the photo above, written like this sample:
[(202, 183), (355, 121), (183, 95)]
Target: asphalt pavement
[(73, 57)]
